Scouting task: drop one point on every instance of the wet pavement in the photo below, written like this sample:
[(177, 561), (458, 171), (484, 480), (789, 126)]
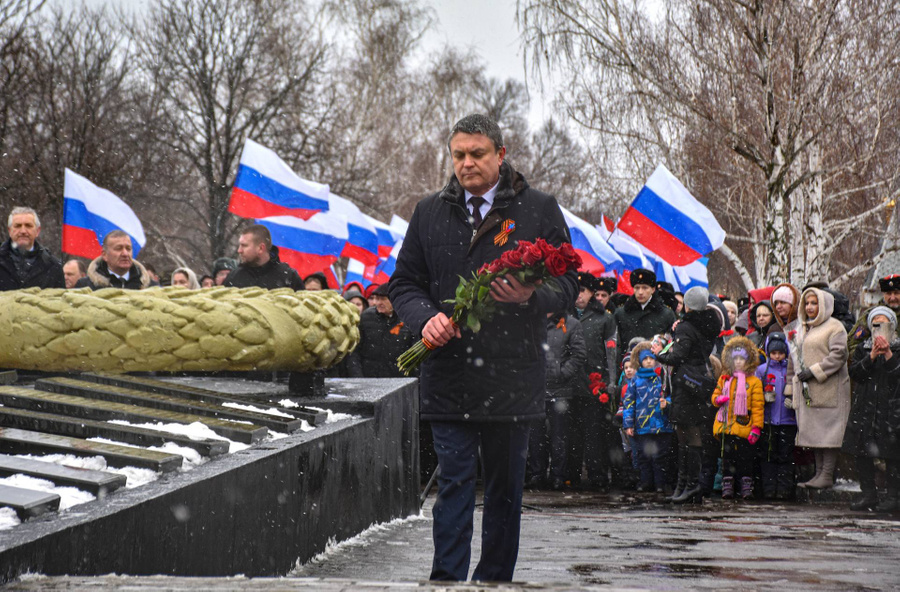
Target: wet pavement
[(584, 541), (638, 542)]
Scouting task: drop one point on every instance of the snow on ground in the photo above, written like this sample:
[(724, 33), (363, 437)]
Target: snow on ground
[(69, 496), (269, 411), (8, 518), (846, 485), (192, 458), (361, 540)]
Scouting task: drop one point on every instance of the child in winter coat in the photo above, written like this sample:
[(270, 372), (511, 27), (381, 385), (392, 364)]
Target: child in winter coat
[(777, 445), (645, 420), (626, 377), (739, 422)]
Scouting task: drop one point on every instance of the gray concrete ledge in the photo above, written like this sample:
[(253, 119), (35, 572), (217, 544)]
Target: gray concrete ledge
[(256, 512)]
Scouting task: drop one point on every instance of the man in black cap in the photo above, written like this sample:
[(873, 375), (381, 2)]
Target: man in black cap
[(260, 265), (594, 438), (606, 287), (643, 314), (222, 267), (666, 292), (890, 297)]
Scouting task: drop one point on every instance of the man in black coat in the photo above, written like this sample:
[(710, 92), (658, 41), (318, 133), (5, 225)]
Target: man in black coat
[(595, 439), (479, 389), (382, 338), (115, 267), (260, 266), (24, 263), (643, 314)]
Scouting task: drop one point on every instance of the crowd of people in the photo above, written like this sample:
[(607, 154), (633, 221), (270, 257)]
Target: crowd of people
[(681, 395), (751, 398)]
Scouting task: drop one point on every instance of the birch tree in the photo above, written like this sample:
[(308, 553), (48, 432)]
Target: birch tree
[(780, 116)]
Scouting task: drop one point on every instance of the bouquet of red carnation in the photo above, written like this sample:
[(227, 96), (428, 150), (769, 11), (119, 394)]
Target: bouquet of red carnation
[(528, 263), (598, 389)]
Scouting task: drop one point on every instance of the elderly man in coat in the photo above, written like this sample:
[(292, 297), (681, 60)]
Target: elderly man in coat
[(479, 389)]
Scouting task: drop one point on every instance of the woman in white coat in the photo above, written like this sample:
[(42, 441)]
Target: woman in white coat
[(821, 385)]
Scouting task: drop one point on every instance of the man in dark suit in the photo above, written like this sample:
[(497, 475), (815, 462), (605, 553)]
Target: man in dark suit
[(479, 390)]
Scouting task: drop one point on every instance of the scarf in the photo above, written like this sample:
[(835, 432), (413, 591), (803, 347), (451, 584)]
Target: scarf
[(739, 397)]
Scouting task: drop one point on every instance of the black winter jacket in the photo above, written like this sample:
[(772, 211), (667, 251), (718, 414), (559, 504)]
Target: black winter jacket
[(566, 355), (274, 274), (382, 338), (39, 269), (99, 277), (498, 373), (692, 343), (599, 327), (632, 321), (873, 428)]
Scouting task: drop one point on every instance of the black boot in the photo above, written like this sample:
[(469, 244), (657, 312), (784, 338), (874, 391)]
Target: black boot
[(682, 473), (692, 492), (865, 470)]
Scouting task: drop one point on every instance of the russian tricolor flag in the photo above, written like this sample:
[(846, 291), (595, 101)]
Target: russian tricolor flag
[(90, 213), (631, 253), (386, 268), (596, 255), (266, 186), (667, 219), (308, 245), (387, 235)]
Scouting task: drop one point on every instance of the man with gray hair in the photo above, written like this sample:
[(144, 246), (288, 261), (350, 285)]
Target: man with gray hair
[(24, 263), (480, 391)]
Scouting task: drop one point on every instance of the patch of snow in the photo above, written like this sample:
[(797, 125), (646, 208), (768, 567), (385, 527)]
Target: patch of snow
[(362, 539), (276, 435), (8, 518), (191, 458), (269, 411), (69, 496), (135, 476), (846, 485), (333, 417), (288, 404), (196, 431)]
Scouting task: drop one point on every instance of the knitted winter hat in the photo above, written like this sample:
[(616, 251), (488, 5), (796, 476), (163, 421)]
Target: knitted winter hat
[(882, 310), (644, 355), (783, 294), (776, 342), (696, 298)]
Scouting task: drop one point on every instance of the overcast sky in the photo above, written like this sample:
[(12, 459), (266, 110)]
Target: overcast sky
[(485, 26)]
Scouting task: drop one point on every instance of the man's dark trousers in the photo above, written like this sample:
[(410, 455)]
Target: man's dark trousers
[(504, 447)]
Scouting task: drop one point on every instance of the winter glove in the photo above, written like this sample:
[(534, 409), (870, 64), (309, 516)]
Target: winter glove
[(805, 375), (789, 402), (753, 438), (722, 400)]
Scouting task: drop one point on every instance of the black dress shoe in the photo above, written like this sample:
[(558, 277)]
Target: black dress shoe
[(867, 501)]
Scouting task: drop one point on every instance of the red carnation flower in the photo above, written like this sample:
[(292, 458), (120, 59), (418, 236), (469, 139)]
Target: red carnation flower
[(484, 269), (595, 389), (556, 264), (595, 377), (604, 398), (511, 259)]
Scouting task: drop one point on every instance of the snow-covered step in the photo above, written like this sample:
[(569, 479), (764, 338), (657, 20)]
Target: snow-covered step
[(15, 441), (105, 392), (27, 503), (73, 406), (88, 428), (98, 483)]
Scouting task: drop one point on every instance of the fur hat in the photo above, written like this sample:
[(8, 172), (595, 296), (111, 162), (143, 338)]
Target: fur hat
[(607, 284), (665, 287), (696, 298), (746, 349), (587, 280), (889, 283), (643, 276)]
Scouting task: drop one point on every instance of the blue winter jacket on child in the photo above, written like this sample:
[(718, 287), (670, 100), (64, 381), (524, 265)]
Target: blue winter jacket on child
[(773, 376), (641, 408)]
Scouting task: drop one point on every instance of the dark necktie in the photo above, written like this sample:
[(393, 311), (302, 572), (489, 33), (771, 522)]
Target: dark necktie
[(476, 209)]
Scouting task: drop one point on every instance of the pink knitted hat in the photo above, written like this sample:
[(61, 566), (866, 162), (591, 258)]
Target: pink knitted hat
[(783, 294)]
